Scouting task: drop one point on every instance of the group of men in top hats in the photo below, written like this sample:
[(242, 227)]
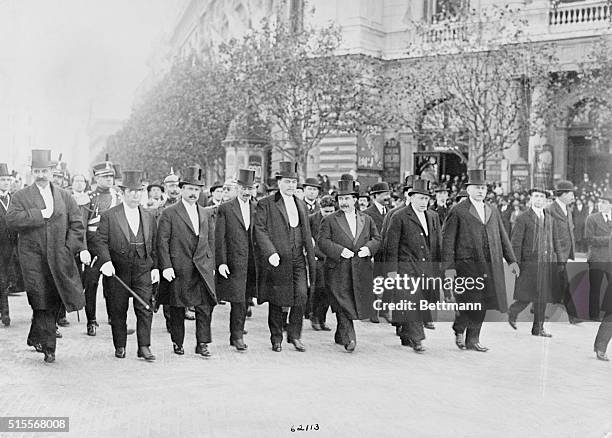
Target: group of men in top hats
[(301, 256)]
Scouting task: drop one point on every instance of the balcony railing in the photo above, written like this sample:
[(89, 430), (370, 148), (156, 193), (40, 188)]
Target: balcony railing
[(445, 31), (583, 13)]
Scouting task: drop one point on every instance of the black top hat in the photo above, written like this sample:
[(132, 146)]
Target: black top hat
[(379, 187), (216, 185), (477, 177), (132, 179), (155, 184), (4, 170), (191, 175), (346, 177), (41, 158), (312, 182), (104, 168), (420, 186), (408, 182), (246, 177), (346, 187), (287, 169), (564, 186)]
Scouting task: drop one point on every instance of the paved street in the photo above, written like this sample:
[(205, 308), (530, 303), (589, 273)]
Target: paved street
[(523, 385)]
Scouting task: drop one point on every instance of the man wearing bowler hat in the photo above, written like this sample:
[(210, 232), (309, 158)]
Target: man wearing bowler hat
[(412, 248), (125, 243), (474, 242), (235, 257), (216, 194), (285, 252), (8, 241), (564, 245), (311, 194), (439, 206), (51, 235), (532, 242), (349, 239), (186, 249)]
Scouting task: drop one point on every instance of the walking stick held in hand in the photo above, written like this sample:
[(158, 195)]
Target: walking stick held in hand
[(134, 294)]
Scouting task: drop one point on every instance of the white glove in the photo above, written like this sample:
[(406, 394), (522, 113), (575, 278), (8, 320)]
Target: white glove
[(347, 253), (168, 274), (274, 259), (224, 270), (364, 251), (85, 257), (46, 213), (154, 276), (107, 269)]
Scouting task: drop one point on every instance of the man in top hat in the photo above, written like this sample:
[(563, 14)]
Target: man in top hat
[(349, 239), (532, 242), (103, 198), (311, 194), (216, 194), (51, 235), (413, 248), (186, 248), (408, 183), (597, 231), (381, 198), (320, 299), (604, 334), (474, 242), (564, 244), (439, 206), (235, 256), (125, 244), (286, 256), (8, 241)]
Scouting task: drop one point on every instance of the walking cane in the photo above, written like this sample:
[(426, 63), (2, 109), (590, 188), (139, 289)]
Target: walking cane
[(134, 294)]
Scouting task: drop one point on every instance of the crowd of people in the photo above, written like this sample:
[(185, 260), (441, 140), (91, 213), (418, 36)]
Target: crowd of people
[(302, 247)]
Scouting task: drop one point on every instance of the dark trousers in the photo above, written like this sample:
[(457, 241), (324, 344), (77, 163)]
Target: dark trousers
[(117, 302), (597, 272), (568, 300), (413, 330), (5, 268), (237, 318), (539, 310), (203, 315), (275, 323), (604, 334), (42, 329), (61, 312), (91, 280), (470, 322), (346, 329), (320, 304)]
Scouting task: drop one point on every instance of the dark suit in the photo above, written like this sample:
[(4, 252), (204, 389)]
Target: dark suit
[(133, 256), (597, 233), (475, 250), (320, 299), (285, 285), (604, 334), (234, 248), (409, 251), (378, 219), (564, 244), (8, 241)]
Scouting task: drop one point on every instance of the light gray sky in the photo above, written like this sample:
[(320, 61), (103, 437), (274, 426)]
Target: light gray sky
[(61, 58)]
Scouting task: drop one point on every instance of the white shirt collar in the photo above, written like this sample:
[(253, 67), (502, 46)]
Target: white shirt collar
[(287, 197), (477, 203), (46, 189), (244, 203), (348, 213), (129, 209), (7, 193), (538, 211), (188, 206)]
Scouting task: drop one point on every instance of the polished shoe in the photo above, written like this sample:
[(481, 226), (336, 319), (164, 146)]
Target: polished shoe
[(418, 347), (350, 347), (178, 349), (49, 356), (249, 313), (460, 341), (573, 320), (276, 346), (63, 322), (239, 344), (477, 347), (202, 349), (58, 334), (601, 355), (244, 332), (297, 343), (512, 322), (91, 329), (406, 342), (145, 353), (130, 331), (222, 303), (542, 333), (120, 353), (429, 325)]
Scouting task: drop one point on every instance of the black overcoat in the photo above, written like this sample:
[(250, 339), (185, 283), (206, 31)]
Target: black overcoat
[(55, 241)]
